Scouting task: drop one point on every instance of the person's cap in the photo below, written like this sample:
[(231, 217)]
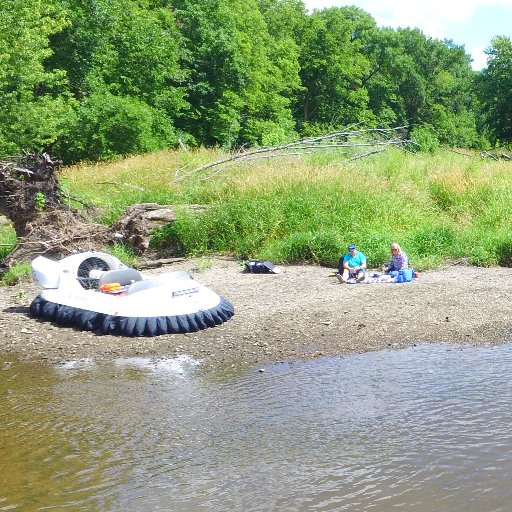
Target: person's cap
[(351, 247)]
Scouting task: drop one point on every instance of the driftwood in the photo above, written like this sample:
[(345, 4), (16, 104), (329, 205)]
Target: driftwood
[(463, 153), (46, 223), (496, 156), (487, 154), (40, 212), (138, 222), (146, 264), (355, 143), (28, 186)]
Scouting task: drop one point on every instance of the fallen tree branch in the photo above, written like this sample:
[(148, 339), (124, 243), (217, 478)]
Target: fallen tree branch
[(145, 264), (352, 141), (45, 222), (358, 157), (488, 155), (461, 153)]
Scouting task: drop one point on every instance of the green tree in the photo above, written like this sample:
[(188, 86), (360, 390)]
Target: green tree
[(122, 49), (286, 19), (33, 97), (238, 94), (419, 81), (332, 71), (495, 90), (106, 125)]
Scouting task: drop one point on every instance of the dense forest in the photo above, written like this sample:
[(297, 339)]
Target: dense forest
[(93, 79)]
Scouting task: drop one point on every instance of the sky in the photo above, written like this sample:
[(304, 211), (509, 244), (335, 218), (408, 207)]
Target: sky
[(471, 23)]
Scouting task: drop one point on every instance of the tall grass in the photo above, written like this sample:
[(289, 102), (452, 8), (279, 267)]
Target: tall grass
[(438, 207), (7, 240)]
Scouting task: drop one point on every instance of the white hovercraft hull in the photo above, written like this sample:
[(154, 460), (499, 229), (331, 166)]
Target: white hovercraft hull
[(169, 303)]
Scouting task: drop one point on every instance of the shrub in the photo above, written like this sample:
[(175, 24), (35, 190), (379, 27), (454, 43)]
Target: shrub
[(106, 126), (16, 274), (425, 139)]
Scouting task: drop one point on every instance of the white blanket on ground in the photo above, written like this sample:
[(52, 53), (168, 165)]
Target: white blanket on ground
[(378, 278), (373, 278)]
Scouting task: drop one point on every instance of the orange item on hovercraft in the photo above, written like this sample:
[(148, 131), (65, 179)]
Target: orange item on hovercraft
[(110, 287)]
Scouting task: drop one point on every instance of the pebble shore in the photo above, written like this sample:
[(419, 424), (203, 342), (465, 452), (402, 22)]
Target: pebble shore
[(301, 313)]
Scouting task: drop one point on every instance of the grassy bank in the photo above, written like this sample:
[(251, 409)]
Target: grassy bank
[(438, 207)]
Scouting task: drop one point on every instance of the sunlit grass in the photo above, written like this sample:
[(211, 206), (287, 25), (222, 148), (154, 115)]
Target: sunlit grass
[(8, 239), (17, 273), (438, 207)]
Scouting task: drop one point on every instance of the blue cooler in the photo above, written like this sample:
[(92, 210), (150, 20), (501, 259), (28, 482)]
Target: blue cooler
[(404, 275)]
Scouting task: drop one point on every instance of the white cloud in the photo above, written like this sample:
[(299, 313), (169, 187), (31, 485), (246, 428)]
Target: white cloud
[(433, 17), (479, 58), (459, 20)]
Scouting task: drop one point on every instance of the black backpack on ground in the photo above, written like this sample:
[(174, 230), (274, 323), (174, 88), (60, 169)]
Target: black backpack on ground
[(260, 267)]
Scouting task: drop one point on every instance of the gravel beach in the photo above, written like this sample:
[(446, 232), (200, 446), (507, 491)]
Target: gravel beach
[(301, 313)]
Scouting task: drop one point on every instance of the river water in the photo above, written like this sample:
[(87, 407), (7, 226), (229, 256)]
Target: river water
[(424, 429)]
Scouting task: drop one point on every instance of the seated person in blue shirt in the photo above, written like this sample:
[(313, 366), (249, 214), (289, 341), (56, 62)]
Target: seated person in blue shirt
[(352, 264)]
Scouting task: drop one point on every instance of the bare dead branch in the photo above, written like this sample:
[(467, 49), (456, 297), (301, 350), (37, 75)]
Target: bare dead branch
[(43, 218), (461, 153), (358, 157), (488, 155), (352, 140)]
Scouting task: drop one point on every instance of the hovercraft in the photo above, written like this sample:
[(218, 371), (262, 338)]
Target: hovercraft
[(95, 291)]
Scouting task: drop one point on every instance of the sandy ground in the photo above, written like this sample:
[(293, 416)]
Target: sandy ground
[(301, 313)]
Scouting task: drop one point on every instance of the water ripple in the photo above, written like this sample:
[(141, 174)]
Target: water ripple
[(427, 429)]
